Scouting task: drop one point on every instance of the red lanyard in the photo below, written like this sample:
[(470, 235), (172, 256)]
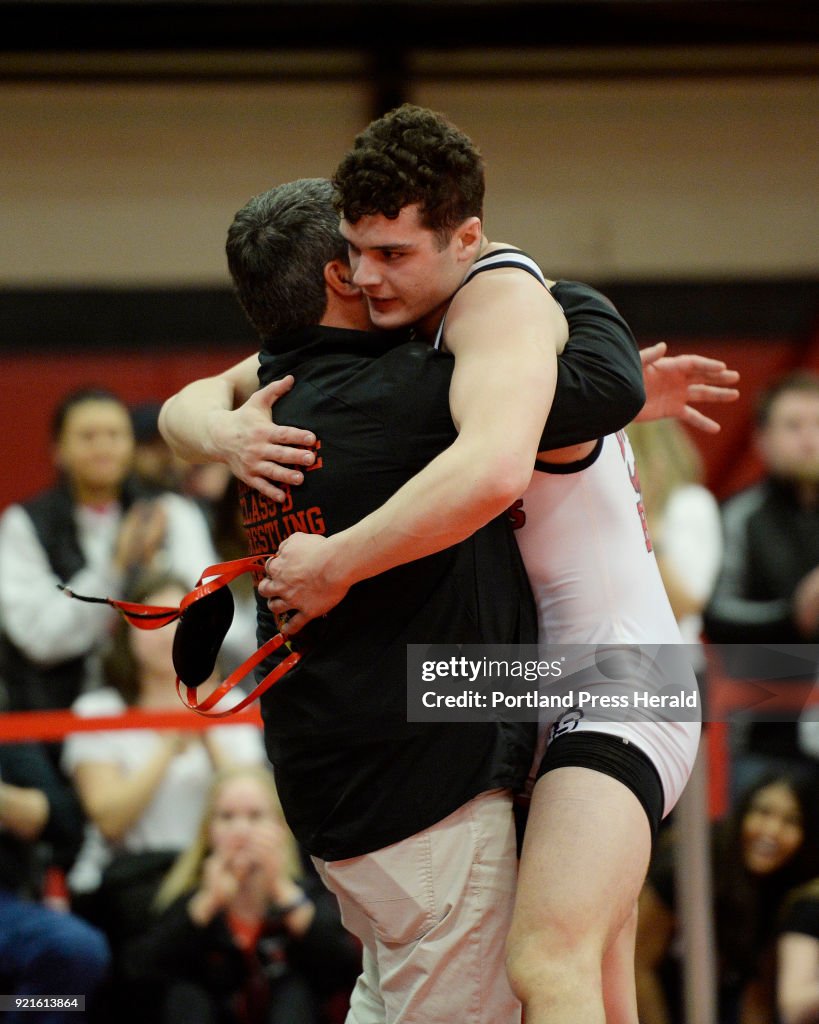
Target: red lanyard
[(203, 624)]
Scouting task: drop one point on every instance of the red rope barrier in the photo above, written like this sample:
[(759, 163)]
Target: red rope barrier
[(28, 726)]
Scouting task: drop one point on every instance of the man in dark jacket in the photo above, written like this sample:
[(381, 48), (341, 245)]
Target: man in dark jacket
[(767, 592)]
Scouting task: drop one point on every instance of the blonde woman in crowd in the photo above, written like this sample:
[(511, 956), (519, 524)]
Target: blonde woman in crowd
[(241, 933), (683, 517)]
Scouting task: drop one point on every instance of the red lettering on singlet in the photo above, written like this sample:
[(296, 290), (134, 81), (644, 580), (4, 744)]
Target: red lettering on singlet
[(634, 477), (516, 515)]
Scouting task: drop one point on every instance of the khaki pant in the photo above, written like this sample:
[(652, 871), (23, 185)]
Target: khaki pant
[(433, 912)]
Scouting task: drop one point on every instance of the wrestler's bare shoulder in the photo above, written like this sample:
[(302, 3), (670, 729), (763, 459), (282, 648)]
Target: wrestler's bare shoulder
[(499, 246)]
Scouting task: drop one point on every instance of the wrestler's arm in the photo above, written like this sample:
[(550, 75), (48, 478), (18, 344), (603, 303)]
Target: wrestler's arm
[(504, 329), (225, 418)]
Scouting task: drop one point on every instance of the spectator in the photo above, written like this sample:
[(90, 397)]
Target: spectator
[(767, 846), (683, 518), (155, 465), (143, 790), (240, 936), (66, 534), (89, 532), (767, 591), (209, 521), (42, 951), (172, 531)]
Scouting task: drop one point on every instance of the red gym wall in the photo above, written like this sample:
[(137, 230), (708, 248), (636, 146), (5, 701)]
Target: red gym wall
[(32, 385)]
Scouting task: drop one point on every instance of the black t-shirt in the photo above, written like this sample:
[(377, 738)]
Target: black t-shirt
[(802, 915), (353, 774)]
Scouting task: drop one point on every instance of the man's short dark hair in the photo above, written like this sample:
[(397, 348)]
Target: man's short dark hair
[(277, 248), (412, 155), (79, 397), (802, 381)]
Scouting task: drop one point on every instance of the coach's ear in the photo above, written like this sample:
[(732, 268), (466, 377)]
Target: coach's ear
[(339, 277), (346, 304)]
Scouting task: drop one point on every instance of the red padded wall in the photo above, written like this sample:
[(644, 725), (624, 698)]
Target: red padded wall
[(32, 385)]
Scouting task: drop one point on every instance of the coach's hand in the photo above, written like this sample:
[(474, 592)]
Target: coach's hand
[(300, 579)]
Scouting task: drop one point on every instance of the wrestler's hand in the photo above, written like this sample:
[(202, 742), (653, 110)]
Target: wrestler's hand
[(300, 579), (256, 449), (673, 383)]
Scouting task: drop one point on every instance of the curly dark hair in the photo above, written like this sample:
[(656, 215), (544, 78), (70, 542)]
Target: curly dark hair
[(412, 155)]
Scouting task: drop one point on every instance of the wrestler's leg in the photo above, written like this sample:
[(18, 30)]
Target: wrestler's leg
[(584, 859), (619, 988)]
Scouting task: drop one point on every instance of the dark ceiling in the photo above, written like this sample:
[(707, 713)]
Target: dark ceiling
[(191, 25), (392, 44)]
